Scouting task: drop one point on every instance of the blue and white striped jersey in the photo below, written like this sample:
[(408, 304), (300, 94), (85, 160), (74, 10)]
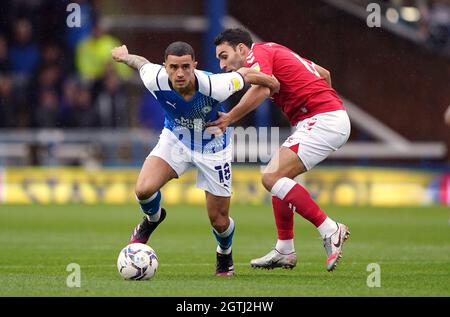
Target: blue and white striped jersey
[(187, 119)]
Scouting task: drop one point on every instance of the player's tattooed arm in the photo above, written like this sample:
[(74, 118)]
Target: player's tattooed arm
[(254, 77), (120, 54)]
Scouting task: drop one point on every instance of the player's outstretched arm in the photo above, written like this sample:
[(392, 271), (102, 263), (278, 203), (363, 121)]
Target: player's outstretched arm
[(120, 54), (254, 77)]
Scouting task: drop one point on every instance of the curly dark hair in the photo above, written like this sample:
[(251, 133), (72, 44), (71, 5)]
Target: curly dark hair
[(233, 37)]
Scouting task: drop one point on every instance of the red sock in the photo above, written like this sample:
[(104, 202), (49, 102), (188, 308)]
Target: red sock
[(294, 195), (284, 219)]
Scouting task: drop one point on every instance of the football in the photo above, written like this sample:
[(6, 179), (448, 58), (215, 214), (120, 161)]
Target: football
[(137, 261)]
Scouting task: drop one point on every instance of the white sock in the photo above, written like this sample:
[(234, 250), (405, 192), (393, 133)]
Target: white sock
[(154, 217), (221, 251), (327, 228), (225, 234), (285, 246), (282, 187)]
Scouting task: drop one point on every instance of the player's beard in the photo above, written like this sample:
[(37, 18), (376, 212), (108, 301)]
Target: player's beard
[(237, 63)]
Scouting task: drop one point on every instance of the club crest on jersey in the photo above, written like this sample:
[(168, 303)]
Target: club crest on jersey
[(206, 109)]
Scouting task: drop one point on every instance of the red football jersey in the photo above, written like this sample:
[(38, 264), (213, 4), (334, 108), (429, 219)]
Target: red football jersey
[(303, 93)]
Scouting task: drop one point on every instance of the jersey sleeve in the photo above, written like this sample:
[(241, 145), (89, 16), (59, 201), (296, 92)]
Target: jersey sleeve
[(224, 85), (261, 60), (149, 75)]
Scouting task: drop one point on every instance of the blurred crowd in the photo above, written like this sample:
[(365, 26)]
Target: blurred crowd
[(52, 75), (435, 23), (430, 18)]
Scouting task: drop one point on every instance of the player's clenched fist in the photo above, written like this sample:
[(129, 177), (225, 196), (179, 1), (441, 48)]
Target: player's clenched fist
[(119, 53)]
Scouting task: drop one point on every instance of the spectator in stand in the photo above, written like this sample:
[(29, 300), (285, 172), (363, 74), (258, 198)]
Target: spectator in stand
[(51, 54), (94, 54), (111, 103), (5, 65), (24, 53), (68, 99), (50, 77), (47, 78), (83, 114), (47, 113), (437, 24), (9, 110)]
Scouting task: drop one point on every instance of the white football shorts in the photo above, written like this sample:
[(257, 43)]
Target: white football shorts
[(317, 137), (213, 169)]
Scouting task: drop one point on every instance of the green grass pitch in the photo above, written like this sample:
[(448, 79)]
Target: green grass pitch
[(411, 245)]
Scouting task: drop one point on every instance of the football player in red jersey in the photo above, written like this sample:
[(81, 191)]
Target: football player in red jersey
[(321, 127)]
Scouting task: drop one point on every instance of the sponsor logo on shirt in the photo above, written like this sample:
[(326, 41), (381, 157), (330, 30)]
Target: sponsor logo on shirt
[(236, 84), (171, 104), (193, 124)]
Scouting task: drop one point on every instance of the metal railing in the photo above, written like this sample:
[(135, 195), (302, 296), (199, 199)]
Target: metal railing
[(129, 147)]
